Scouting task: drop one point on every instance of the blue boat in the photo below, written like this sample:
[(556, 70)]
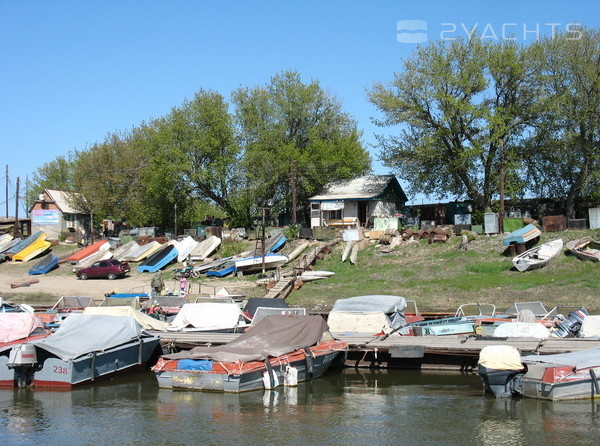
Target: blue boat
[(159, 259), (277, 243), (223, 270), (522, 235), (46, 264)]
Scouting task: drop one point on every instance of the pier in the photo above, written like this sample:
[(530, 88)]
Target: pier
[(453, 352)]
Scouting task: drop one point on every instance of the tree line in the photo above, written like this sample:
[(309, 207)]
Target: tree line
[(470, 118)]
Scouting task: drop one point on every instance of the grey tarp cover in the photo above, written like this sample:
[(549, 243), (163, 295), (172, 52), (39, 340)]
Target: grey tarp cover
[(80, 334), (273, 336), (580, 359), (393, 306)]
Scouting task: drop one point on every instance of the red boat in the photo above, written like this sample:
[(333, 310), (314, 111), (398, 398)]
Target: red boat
[(88, 251)]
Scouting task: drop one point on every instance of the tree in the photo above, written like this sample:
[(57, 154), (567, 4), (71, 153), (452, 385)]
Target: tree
[(56, 174), (564, 153), (197, 140), (463, 108), (292, 129)]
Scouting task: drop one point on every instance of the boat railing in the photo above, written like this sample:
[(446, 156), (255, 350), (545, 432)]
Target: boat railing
[(262, 312), (476, 309), (70, 303), (536, 307)]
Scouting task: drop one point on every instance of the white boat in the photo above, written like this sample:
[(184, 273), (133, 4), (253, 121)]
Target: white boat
[(537, 257), (309, 276), (142, 252), (205, 248), (123, 251), (270, 261), (97, 256), (185, 247)]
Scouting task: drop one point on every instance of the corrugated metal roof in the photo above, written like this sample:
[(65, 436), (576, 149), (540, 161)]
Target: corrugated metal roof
[(60, 197), (362, 188)]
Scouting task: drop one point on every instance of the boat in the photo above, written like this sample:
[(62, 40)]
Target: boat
[(558, 377), (223, 317), (142, 252), (522, 235), (537, 257), (277, 350), (147, 322), (463, 321), (159, 259), (122, 251), (45, 265), (22, 244), (222, 270), (5, 246), (103, 254), (367, 315), (347, 250), (84, 349), (80, 255), (34, 249), (585, 248), (253, 264), (185, 247), (205, 248)]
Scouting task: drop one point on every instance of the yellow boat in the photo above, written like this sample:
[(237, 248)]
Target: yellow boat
[(33, 250)]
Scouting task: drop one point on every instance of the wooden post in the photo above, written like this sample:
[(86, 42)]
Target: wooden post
[(293, 179), (501, 213), (16, 228)]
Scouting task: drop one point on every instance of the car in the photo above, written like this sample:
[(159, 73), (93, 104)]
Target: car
[(109, 269)]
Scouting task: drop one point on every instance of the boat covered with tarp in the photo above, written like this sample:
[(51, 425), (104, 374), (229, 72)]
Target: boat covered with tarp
[(84, 349), (278, 350), (367, 315)]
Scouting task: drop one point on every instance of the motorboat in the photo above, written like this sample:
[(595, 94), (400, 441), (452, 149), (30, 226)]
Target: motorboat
[(84, 349), (279, 349)]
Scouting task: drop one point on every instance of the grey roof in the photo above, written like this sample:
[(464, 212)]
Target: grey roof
[(362, 188), (61, 198)]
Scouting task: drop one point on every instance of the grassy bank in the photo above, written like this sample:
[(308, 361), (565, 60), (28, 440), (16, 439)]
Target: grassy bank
[(441, 278)]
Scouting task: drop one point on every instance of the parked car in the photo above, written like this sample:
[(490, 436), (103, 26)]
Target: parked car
[(110, 269)]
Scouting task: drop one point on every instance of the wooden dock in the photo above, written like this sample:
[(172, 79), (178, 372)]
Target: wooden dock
[(422, 352)]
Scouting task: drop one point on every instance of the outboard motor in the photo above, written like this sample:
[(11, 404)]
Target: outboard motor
[(570, 326), (23, 359)]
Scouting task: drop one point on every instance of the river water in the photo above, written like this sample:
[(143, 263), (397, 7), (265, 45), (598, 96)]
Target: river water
[(344, 407)]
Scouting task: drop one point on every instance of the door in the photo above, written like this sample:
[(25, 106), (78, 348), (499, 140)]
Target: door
[(362, 213)]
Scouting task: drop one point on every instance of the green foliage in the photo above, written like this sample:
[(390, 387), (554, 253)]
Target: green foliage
[(292, 231)]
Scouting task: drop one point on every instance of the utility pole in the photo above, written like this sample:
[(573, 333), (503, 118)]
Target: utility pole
[(7, 191), (501, 216), (262, 238), (293, 180), (16, 228), (175, 232)]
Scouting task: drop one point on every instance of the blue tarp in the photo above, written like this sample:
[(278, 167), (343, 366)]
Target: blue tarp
[(195, 364)]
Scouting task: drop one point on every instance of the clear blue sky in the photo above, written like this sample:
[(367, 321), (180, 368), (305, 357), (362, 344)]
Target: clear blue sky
[(73, 71)]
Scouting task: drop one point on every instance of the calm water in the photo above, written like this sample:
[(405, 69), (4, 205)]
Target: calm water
[(342, 408)]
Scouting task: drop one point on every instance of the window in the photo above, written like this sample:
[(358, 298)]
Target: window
[(315, 210)]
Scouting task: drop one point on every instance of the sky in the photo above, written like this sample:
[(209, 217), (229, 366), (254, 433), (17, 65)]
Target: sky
[(73, 71)]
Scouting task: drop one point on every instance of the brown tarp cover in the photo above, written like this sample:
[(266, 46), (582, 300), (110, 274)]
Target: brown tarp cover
[(272, 336)]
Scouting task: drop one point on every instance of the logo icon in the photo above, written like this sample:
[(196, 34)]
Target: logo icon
[(411, 31)]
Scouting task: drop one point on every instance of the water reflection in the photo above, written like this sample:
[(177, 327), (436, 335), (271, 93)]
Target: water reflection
[(343, 407)]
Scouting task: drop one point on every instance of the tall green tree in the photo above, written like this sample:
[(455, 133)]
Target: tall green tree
[(564, 153), (463, 108), (56, 174), (291, 130)]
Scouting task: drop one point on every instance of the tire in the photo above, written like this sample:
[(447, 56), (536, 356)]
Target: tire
[(112, 276), (83, 276), (195, 275)]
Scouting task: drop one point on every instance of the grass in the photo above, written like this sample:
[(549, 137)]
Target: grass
[(441, 278)]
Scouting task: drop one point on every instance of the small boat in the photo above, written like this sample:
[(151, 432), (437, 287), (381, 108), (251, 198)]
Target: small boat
[(522, 235), (22, 244), (538, 257), (34, 249), (585, 248), (84, 349), (222, 270), (209, 266), (5, 246), (558, 377), (5, 242), (46, 264), (347, 250), (205, 248), (185, 247), (103, 254), (80, 255), (253, 264), (142, 252), (277, 350), (222, 317), (162, 257), (122, 251)]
